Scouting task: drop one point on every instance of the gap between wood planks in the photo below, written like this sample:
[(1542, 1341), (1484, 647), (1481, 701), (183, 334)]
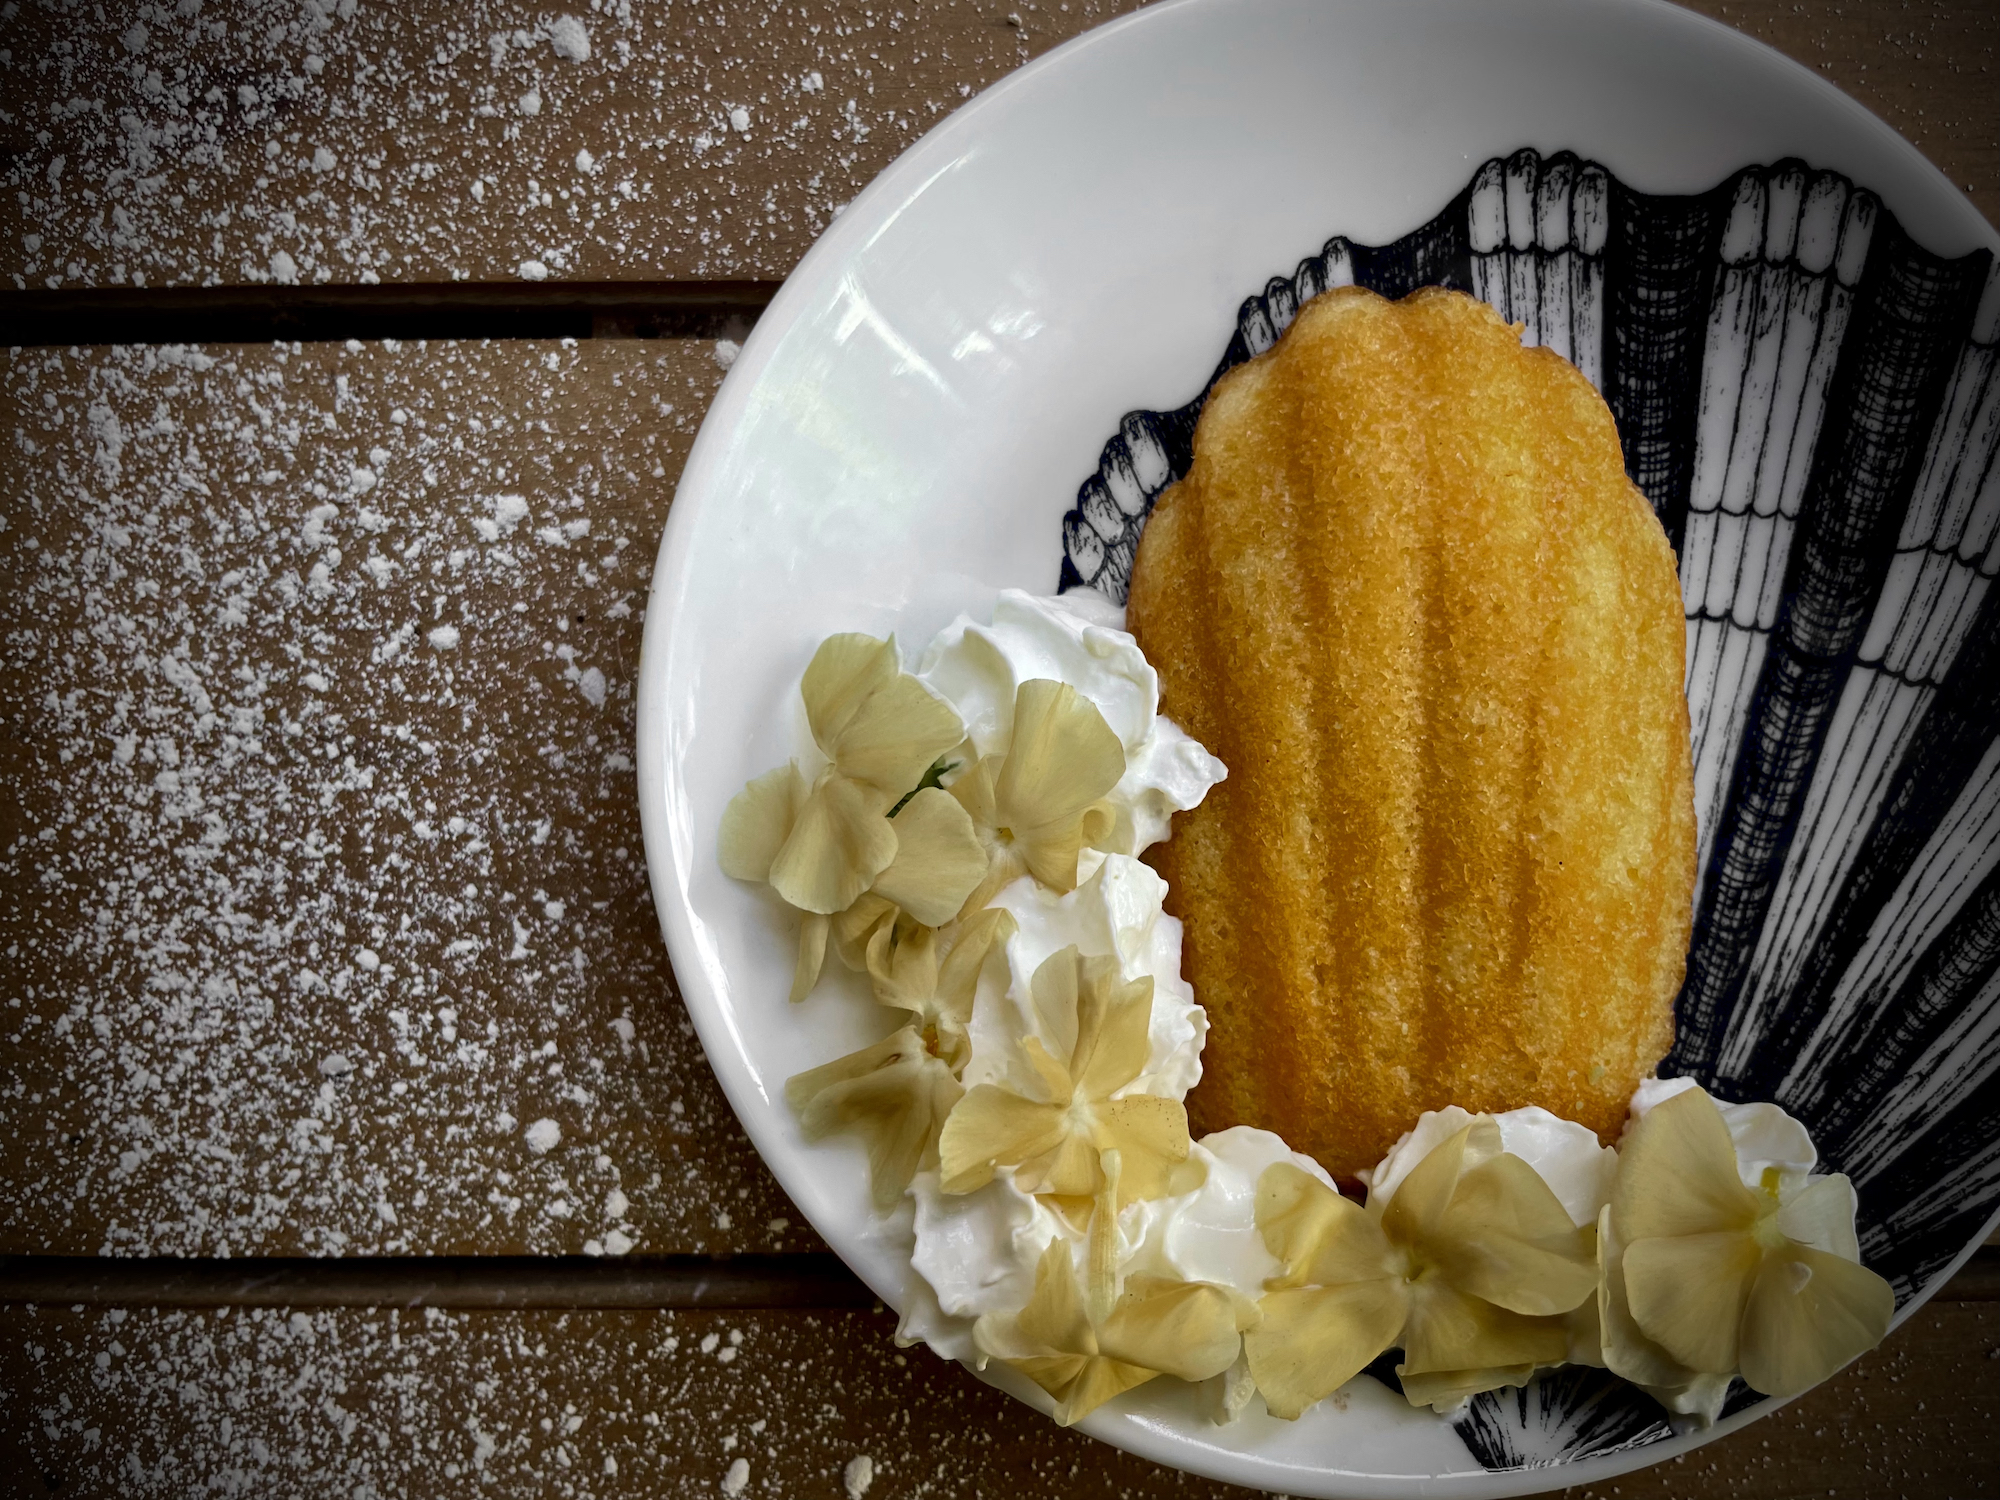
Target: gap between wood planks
[(689, 1282), (693, 1282), (439, 310)]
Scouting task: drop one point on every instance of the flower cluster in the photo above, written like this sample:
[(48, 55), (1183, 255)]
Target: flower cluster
[(1469, 1268), (865, 822), (935, 859), (1473, 1268), (891, 851)]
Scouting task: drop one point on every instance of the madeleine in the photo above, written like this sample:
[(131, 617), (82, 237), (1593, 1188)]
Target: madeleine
[(1408, 595)]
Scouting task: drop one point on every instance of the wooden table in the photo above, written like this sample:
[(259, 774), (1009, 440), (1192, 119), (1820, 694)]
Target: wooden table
[(352, 1137)]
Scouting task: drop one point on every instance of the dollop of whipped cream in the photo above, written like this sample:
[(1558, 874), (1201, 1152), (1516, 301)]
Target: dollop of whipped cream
[(1078, 638), (1564, 1154), (1116, 909), (977, 1252)]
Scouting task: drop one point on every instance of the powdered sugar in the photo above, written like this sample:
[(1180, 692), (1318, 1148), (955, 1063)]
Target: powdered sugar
[(555, 1406), (268, 141), (321, 867)]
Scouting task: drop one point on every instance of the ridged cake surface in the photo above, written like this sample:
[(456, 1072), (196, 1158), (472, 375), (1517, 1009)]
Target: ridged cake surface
[(1408, 595)]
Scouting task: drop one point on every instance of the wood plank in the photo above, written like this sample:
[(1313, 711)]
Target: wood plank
[(437, 142), (152, 1402), (434, 142), (321, 885)]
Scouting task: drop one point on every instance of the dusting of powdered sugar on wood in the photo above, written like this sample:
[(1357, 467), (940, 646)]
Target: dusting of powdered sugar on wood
[(322, 901), (274, 141), (555, 1406)]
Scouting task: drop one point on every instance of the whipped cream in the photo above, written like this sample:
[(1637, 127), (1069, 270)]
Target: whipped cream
[(977, 1252), (1211, 1233), (1564, 1154), (1115, 910), (1078, 638)]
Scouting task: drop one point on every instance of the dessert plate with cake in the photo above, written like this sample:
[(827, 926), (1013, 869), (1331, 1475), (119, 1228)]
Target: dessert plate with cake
[(1319, 743)]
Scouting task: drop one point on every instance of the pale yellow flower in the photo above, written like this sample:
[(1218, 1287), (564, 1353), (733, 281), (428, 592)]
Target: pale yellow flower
[(903, 962), (1340, 1301), (1041, 803), (1158, 1327), (852, 930), (1628, 1353), (1470, 1267), (939, 859), (1705, 1277), (895, 1095), (864, 821), (1053, 1128)]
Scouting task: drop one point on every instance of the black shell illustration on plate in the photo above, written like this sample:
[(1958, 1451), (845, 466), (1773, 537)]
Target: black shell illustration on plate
[(1809, 399)]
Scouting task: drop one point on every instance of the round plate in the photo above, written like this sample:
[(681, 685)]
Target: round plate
[(906, 430)]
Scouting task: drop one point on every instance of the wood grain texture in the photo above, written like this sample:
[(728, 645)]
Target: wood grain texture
[(431, 141), (321, 890), (168, 1403), (260, 141)]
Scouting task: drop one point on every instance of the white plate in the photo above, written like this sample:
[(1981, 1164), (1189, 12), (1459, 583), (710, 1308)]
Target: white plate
[(911, 418)]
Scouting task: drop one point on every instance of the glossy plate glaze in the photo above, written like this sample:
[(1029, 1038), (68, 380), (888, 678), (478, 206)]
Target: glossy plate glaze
[(906, 431)]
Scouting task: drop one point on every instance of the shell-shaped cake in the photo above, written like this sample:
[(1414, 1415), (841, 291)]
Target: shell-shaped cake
[(1408, 595)]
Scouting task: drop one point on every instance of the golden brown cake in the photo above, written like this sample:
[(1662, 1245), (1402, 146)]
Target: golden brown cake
[(1409, 597)]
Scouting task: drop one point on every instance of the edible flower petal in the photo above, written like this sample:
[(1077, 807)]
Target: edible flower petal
[(939, 859), (1053, 1128), (1709, 1274), (1809, 1314), (813, 929), (757, 822), (1494, 1262), (1688, 1293), (1340, 1301), (895, 1095), (875, 722), (822, 847), (854, 929), (902, 960), (1471, 1266), (1062, 759), (1158, 1327), (1039, 805), (840, 841), (1627, 1352), (1509, 1241), (1483, 1225)]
